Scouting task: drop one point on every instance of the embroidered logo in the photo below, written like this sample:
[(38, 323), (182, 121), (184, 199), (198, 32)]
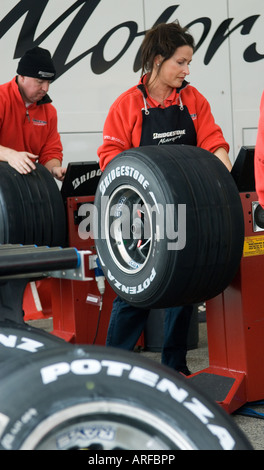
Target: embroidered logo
[(37, 122), (47, 75)]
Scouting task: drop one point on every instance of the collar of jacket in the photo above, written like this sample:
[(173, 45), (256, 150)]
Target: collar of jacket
[(46, 99), (142, 88)]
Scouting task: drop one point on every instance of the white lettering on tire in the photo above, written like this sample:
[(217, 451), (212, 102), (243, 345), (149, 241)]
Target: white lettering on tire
[(132, 289), (52, 373), (123, 170), (27, 344)]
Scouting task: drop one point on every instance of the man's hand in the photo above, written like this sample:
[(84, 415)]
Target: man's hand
[(58, 172), (54, 166), (21, 161)]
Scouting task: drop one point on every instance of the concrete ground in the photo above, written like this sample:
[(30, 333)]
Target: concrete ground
[(197, 360)]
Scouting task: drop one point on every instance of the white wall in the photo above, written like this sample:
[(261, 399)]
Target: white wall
[(232, 85)]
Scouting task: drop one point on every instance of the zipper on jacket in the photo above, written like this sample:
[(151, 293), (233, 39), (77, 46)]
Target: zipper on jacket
[(27, 114)]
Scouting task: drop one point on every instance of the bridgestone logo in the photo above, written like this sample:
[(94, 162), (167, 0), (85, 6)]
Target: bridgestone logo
[(123, 170), (86, 177), (162, 135)]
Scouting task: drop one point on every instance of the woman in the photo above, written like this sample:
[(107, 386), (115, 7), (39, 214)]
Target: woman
[(162, 103)]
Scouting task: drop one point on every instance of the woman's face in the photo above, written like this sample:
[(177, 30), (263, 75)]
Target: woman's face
[(174, 70)]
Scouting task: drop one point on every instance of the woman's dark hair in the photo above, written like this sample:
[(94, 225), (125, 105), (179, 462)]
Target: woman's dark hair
[(163, 39)]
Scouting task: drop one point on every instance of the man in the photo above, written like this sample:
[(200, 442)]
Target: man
[(28, 120)]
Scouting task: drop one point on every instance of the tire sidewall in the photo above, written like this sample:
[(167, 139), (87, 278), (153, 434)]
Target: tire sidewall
[(21, 340), (160, 262), (65, 378)]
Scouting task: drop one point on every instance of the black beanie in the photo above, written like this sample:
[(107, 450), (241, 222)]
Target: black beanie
[(37, 63)]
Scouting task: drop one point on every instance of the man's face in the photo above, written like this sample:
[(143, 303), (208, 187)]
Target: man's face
[(33, 89)]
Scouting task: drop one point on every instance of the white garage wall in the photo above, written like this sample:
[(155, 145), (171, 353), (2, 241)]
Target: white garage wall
[(109, 32)]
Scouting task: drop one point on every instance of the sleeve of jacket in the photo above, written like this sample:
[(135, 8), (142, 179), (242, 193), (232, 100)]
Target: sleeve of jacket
[(122, 127), (259, 155), (115, 139)]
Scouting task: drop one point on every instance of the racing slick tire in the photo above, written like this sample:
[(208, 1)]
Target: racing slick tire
[(18, 340), (31, 208), (168, 225), (87, 398)]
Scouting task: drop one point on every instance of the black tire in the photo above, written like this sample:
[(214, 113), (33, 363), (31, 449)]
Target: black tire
[(143, 269), (89, 398), (31, 208), (20, 340)]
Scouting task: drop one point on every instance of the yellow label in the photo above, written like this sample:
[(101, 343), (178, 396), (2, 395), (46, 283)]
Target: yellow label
[(254, 246)]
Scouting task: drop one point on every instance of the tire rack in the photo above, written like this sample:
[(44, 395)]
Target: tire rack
[(21, 263), (74, 319), (235, 322)]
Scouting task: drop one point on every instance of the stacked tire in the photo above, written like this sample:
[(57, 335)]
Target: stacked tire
[(31, 208)]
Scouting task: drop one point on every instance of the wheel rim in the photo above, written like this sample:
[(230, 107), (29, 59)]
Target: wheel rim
[(105, 425), (128, 229)]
